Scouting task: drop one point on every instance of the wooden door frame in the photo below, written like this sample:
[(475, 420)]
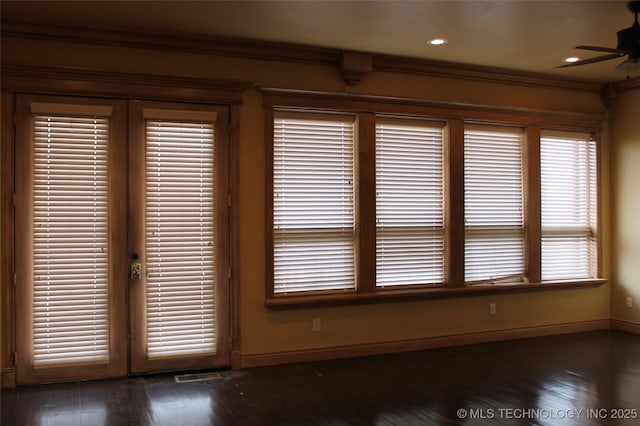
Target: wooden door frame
[(139, 363), (27, 79), (117, 365)]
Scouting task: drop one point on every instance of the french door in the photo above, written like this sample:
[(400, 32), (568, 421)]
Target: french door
[(121, 237), (178, 234)]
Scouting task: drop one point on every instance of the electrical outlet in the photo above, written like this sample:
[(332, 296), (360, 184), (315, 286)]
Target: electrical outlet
[(315, 324), (629, 302), (492, 308)]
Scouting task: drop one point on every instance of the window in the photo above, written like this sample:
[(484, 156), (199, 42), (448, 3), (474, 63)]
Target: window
[(313, 202), (493, 203), (70, 237), (569, 206), (409, 203), (371, 198), (179, 237)]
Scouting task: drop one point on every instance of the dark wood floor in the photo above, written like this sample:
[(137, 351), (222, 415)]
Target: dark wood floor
[(578, 379)]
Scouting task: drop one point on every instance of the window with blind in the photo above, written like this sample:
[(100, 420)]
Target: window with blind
[(409, 203), (390, 200), (70, 249), (568, 174), (493, 205), (313, 202), (179, 237)]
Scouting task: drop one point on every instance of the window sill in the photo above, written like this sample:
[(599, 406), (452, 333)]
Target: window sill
[(291, 301)]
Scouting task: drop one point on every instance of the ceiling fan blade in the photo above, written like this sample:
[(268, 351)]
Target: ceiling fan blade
[(592, 60), (599, 49)]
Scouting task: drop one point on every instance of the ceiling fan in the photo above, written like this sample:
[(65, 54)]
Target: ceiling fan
[(628, 45)]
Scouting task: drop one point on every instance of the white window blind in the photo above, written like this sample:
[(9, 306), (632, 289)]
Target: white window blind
[(409, 203), (569, 207), (70, 240), (313, 214), (179, 238), (494, 219)]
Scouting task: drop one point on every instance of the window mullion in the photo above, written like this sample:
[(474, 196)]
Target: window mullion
[(531, 163), (596, 212), (365, 203), (454, 204)]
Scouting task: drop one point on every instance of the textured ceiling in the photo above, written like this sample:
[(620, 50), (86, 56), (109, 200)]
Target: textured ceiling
[(529, 36)]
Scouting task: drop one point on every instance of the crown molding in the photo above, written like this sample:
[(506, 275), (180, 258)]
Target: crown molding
[(485, 74), (627, 85), (307, 99), (53, 80), (277, 51), (249, 49)]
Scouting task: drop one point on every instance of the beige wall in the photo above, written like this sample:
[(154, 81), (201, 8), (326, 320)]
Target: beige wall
[(626, 208), (265, 331)]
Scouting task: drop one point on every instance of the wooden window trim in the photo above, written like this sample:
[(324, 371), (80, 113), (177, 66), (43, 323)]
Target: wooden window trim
[(438, 110), (365, 202), (268, 194), (457, 116), (421, 292)]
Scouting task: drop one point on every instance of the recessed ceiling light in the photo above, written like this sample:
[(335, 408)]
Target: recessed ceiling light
[(436, 41), (572, 59)]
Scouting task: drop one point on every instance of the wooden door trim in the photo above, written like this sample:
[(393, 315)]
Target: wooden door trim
[(139, 363), (26, 374)]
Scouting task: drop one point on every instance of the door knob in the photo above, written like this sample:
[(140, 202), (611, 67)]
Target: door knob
[(135, 267)]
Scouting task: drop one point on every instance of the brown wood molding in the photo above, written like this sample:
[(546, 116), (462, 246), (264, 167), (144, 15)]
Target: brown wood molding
[(274, 51), (610, 91), (292, 98), (412, 293), (8, 378), (454, 199), (355, 66), (628, 326), (627, 85), (533, 206), (7, 219), (608, 95), (52, 80), (242, 48), (484, 74), (336, 352), (234, 227)]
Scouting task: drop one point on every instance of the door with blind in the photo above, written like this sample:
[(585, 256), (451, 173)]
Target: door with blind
[(70, 252), (178, 233), (122, 238)]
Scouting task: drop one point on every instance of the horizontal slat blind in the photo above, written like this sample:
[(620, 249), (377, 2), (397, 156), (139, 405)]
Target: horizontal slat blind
[(313, 213), (179, 238), (70, 240), (494, 218), (569, 207), (409, 203)]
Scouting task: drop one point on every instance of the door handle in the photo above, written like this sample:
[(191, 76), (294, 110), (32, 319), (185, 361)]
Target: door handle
[(135, 269)]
